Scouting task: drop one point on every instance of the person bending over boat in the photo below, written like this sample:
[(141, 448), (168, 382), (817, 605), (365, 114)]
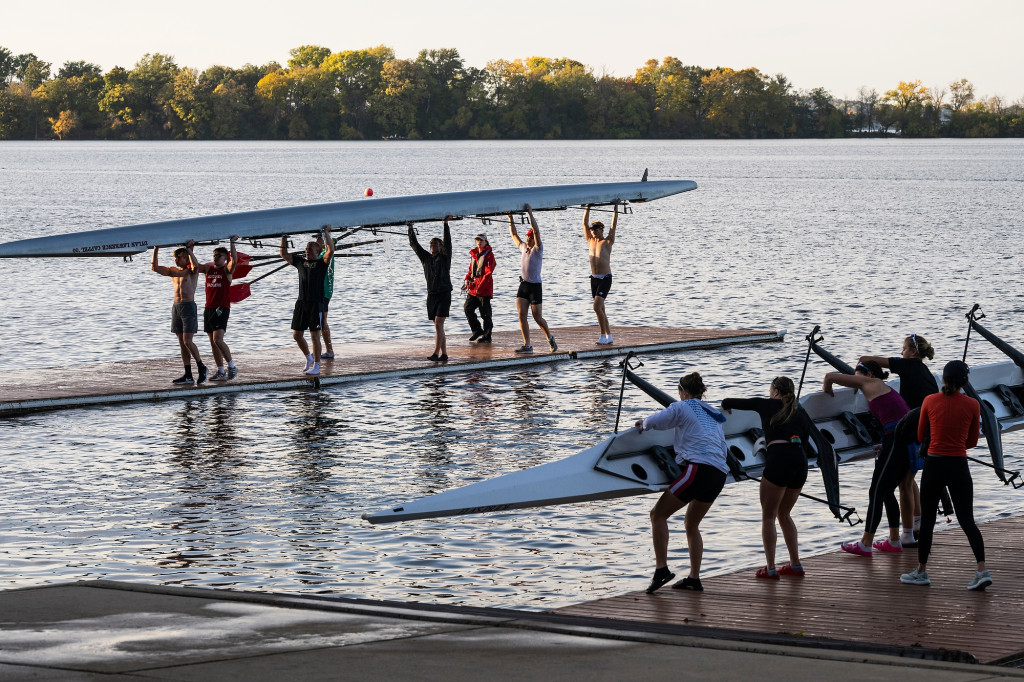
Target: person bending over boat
[(599, 247), (184, 314), (325, 329), (437, 266), (218, 307), (700, 451), (479, 287), (312, 266), (529, 296), (892, 462), (952, 420), (916, 383), (786, 429)]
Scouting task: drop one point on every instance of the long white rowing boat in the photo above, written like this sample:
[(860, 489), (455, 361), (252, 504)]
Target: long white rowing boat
[(628, 463), (275, 222)]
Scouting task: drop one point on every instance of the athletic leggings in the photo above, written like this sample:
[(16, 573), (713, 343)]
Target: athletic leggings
[(890, 468), (954, 474)]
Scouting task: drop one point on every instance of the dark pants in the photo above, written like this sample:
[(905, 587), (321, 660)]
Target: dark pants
[(890, 468), (954, 474), (484, 304)]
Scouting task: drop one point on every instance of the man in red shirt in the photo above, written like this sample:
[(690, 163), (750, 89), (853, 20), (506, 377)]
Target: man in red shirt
[(218, 307), (479, 288)]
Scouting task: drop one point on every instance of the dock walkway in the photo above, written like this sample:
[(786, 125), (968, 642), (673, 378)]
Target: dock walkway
[(277, 369), (856, 599)]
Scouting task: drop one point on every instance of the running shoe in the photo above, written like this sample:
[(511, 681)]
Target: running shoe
[(916, 577), (600, 340), (203, 372), (183, 380), (887, 546), (789, 570), (232, 372), (219, 376), (763, 573), (309, 363), (328, 355), (486, 338), (982, 579), (434, 357), (443, 357), (661, 576), (314, 371), (855, 548), (688, 584), (551, 343), (522, 350), (476, 335)]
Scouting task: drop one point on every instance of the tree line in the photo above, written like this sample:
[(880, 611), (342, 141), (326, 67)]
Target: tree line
[(372, 94)]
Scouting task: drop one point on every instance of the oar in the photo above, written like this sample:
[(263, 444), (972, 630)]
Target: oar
[(848, 511), (240, 291), (807, 358), (1015, 475)]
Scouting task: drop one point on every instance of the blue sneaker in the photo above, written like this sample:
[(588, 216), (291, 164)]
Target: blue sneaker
[(916, 578), (982, 579)]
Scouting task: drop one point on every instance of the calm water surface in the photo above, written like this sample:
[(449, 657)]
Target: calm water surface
[(871, 239)]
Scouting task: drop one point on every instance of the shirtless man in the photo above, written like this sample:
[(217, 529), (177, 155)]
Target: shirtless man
[(600, 248), (218, 307), (184, 316), (530, 294)]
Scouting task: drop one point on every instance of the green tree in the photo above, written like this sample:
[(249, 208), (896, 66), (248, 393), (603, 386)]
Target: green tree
[(307, 55), (395, 105), (7, 66), (356, 75)]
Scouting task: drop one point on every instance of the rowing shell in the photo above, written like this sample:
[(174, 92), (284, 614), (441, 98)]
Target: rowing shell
[(625, 464), (275, 222)]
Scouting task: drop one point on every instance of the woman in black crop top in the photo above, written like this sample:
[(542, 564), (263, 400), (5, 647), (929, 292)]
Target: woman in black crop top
[(786, 428)]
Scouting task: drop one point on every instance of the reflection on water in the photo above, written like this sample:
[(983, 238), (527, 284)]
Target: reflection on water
[(266, 491)]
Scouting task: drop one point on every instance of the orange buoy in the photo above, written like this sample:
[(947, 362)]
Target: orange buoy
[(368, 192)]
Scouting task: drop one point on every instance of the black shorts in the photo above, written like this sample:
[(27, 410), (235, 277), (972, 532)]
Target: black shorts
[(701, 482), (184, 318), (215, 318), (531, 291), (600, 286), (439, 305), (325, 305), (306, 316), (786, 466)]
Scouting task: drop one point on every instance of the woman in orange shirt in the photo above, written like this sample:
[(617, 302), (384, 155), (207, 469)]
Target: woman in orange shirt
[(953, 421)]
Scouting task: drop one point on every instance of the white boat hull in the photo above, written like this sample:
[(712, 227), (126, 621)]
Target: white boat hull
[(275, 222)]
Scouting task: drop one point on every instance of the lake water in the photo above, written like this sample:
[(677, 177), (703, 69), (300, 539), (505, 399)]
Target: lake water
[(872, 239)]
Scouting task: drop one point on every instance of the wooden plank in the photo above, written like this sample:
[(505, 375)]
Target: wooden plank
[(142, 380), (858, 599)]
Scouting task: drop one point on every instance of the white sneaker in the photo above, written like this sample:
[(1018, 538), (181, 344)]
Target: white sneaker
[(600, 340), (608, 339), (309, 363), (314, 371)]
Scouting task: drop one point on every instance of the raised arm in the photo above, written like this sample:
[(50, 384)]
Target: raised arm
[(233, 257), (421, 253), (615, 221), (284, 250), (190, 245), (512, 231), (533, 224), (847, 380), (155, 266), (328, 244), (587, 234), (447, 238), (882, 362)]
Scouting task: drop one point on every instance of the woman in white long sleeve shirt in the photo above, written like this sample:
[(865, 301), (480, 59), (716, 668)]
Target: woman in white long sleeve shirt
[(700, 451)]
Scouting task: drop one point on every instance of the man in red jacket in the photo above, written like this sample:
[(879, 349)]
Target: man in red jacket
[(479, 288)]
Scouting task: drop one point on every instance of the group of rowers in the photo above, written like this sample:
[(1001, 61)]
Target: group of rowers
[(315, 266), (923, 428)]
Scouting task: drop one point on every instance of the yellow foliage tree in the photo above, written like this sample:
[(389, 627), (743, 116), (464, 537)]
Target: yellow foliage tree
[(64, 124)]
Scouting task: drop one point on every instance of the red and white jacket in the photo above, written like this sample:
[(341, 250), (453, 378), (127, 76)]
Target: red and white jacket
[(481, 267)]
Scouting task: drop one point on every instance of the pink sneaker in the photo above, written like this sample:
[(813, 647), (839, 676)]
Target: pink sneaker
[(886, 546), (855, 548)]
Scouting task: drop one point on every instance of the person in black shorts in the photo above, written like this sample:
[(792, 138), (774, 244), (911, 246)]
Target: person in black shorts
[(916, 383), (599, 248), (786, 428), (437, 266), (312, 268)]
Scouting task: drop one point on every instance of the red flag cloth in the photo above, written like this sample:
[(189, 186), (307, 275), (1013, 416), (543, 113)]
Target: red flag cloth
[(242, 267), (239, 292)]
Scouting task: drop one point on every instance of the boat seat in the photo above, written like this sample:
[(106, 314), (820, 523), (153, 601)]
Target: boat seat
[(1010, 399), (855, 425), (666, 460)]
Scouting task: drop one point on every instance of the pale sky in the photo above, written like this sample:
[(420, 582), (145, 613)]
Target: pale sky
[(838, 47)]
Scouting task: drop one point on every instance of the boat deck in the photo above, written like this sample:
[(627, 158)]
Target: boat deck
[(854, 599), (276, 369)]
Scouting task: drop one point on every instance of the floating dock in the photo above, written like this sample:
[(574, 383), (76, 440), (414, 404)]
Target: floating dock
[(277, 369), (850, 618), (855, 599)]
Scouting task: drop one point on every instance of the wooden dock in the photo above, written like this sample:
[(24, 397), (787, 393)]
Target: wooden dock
[(846, 598), (277, 369)]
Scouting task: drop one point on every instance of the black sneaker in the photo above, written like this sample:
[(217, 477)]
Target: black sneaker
[(552, 344), (476, 335), (443, 357), (689, 584), (232, 372), (219, 376), (184, 380), (434, 358), (486, 338), (203, 372), (661, 576)]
